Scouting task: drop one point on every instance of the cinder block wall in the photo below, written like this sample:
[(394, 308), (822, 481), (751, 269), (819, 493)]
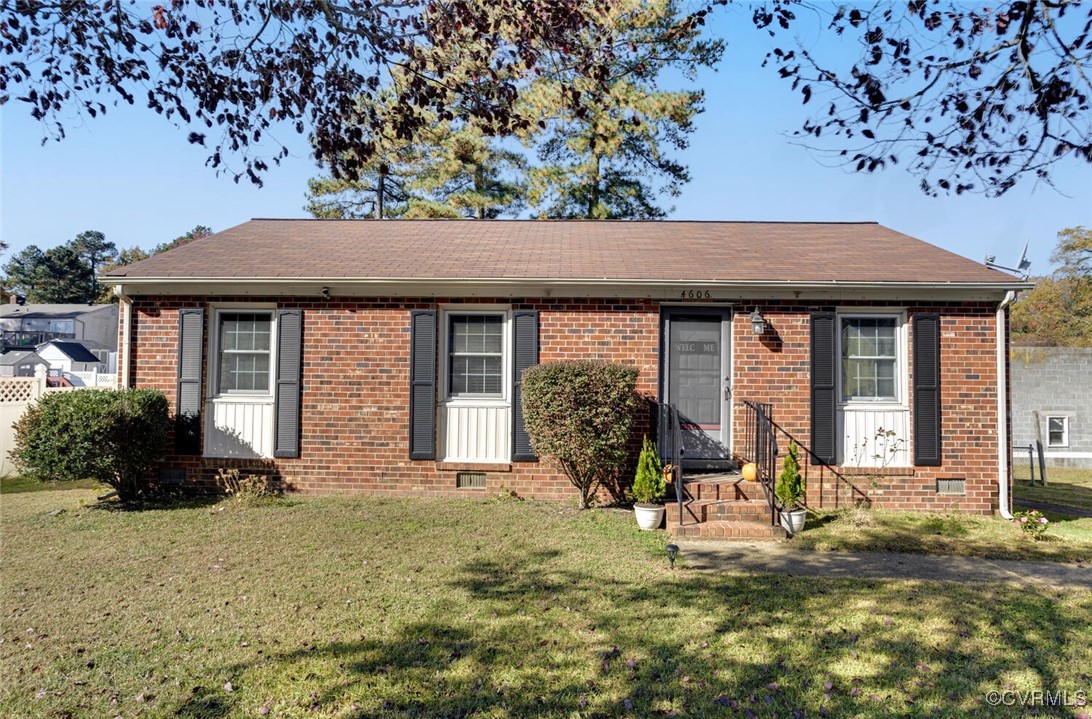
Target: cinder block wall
[(355, 396), (1054, 381)]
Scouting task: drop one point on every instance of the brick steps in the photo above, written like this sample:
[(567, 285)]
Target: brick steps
[(722, 488), (722, 507), (727, 530)]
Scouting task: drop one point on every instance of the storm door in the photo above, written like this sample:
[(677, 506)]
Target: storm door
[(698, 375)]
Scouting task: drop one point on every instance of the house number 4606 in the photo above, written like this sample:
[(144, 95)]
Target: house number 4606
[(695, 294)]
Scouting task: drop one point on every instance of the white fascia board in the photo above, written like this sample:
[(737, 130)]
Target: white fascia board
[(665, 290)]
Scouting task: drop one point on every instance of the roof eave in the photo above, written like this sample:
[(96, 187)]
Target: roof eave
[(544, 286)]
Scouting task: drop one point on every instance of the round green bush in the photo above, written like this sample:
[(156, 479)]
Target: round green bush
[(115, 437), (580, 414)]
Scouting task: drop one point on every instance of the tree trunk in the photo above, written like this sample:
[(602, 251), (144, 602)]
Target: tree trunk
[(593, 191), (380, 195)]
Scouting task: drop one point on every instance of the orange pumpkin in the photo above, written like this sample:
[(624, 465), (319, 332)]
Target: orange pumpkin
[(750, 471)]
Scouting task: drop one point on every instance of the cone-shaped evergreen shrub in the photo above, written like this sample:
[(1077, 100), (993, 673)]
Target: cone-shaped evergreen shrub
[(649, 485), (790, 484)]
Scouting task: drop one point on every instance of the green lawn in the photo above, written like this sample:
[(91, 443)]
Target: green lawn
[(369, 607), (15, 485), (1072, 487), (1068, 539)]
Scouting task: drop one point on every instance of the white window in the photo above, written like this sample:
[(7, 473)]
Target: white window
[(475, 395), (245, 348), (476, 356), (870, 359), (239, 414), (1057, 431), (874, 410)]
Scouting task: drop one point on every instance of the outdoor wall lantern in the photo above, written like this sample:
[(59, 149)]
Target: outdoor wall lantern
[(758, 322), (672, 551)]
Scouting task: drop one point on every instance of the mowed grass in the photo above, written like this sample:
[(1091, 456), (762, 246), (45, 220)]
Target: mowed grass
[(17, 484), (370, 607), (1071, 487), (1067, 540)]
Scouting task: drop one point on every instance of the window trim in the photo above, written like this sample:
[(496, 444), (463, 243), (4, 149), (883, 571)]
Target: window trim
[(444, 359), (1065, 430), (213, 357), (902, 359)]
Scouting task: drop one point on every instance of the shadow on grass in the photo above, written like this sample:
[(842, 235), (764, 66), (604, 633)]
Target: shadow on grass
[(19, 485), (1072, 491), (541, 639)]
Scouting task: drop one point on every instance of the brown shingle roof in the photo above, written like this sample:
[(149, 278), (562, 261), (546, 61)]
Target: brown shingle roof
[(564, 250)]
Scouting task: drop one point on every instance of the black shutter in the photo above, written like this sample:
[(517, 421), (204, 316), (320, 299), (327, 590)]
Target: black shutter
[(286, 400), (824, 386), (422, 411), (187, 412), (926, 407), (524, 355)]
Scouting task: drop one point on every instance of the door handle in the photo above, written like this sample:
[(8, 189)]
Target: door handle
[(727, 391)]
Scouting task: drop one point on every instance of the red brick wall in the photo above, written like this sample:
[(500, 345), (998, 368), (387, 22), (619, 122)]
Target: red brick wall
[(355, 397), (355, 419), (774, 368)]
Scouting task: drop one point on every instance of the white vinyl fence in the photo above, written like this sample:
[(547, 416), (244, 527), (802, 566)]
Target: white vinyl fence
[(94, 378), (16, 394)]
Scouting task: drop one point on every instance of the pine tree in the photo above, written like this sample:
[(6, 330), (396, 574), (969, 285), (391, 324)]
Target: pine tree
[(605, 142)]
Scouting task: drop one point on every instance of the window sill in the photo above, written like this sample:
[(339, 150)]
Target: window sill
[(444, 466), (243, 398), (877, 471)]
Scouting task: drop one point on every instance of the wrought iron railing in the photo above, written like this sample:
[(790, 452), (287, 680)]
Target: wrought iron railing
[(761, 448), (671, 448)]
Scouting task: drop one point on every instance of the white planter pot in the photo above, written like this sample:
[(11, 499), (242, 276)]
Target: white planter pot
[(793, 520), (649, 516)]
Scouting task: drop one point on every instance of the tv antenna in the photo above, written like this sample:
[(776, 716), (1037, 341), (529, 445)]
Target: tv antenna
[(1023, 265)]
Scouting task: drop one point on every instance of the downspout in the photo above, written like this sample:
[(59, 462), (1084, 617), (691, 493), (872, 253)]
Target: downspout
[(125, 305), (1002, 411)]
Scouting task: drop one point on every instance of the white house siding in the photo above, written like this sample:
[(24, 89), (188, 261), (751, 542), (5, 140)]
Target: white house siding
[(860, 445), (478, 433), (239, 427)]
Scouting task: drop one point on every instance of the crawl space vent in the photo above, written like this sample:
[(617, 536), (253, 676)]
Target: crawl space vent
[(470, 480)]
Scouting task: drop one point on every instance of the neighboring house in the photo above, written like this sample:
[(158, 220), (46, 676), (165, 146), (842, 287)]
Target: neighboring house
[(385, 357), (25, 326), (20, 363), (70, 356), (1053, 385)]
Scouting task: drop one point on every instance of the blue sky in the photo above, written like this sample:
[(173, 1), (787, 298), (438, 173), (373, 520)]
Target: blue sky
[(133, 176)]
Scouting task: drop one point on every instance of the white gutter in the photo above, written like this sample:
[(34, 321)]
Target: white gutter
[(124, 351), (1002, 411), (447, 282)]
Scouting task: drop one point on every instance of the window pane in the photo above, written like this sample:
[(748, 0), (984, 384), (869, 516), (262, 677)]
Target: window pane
[(1056, 431), (244, 372), (247, 332), (245, 341), (869, 358), (476, 354)]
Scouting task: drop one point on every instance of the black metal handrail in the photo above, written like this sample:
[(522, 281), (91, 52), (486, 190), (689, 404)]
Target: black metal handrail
[(762, 449), (671, 448)]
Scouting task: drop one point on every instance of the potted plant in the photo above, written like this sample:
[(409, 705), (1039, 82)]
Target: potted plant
[(790, 492), (649, 488)]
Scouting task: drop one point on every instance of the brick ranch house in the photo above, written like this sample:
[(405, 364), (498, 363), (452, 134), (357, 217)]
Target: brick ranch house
[(384, 357)]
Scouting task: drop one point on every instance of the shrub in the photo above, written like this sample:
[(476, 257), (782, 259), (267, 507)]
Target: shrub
[(649, 485), (580, 414), (1032, 523), (790, 483), (247, 489), (115, 437)]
